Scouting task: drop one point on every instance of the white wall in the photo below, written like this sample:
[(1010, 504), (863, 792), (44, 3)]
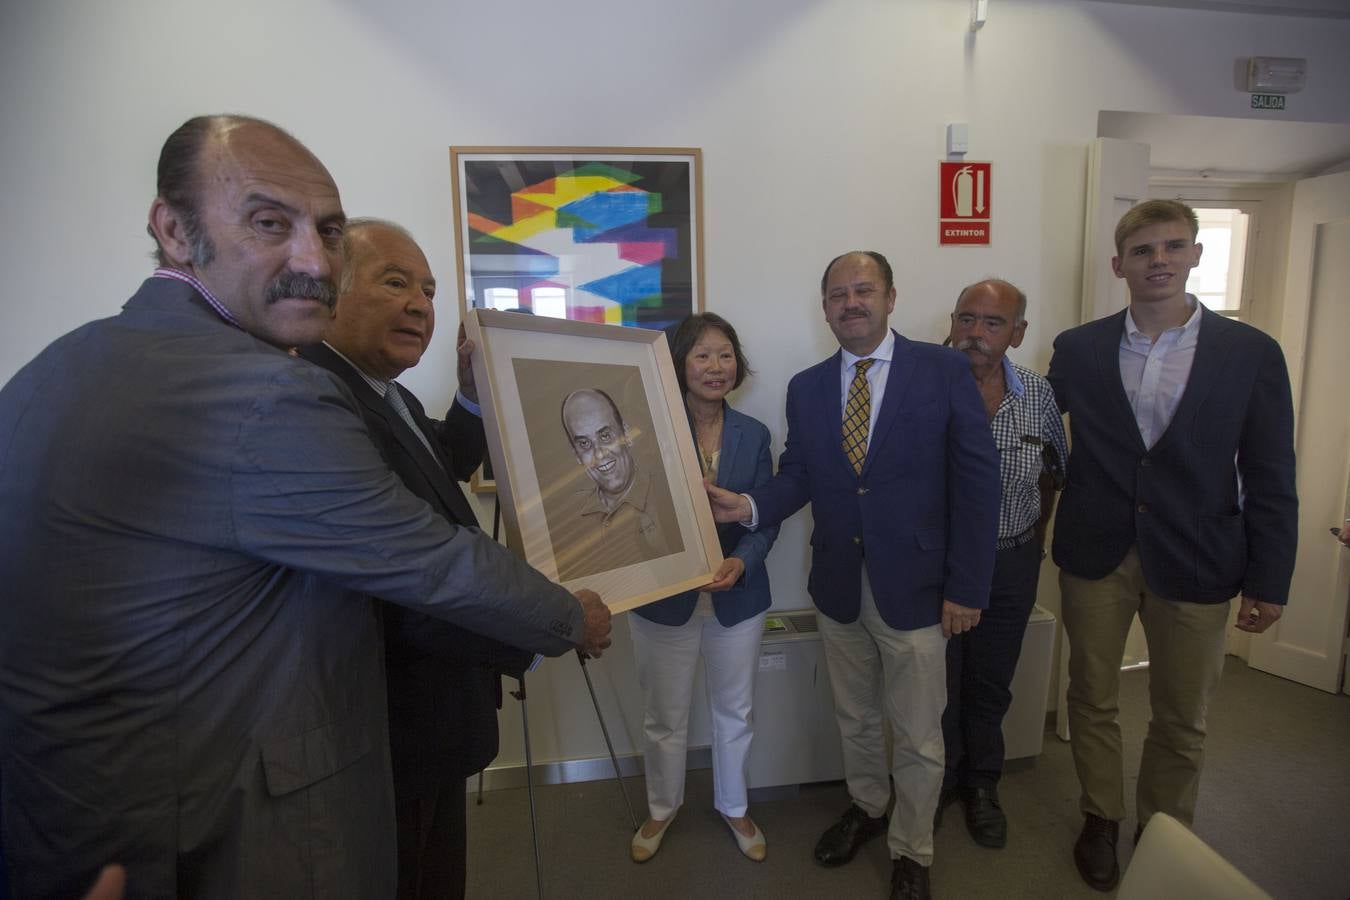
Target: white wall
[(821, 123)]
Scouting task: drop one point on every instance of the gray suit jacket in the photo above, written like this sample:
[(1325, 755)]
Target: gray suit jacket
[(190, 678)]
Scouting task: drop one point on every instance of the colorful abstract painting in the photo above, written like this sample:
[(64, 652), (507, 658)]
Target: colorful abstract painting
[(609, 236)]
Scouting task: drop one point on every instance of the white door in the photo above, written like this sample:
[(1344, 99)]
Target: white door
[(1307, 644), (1117, 179)]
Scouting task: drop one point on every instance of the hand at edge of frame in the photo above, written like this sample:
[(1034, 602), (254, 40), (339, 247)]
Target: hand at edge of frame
[(1255, 616), (596, 638), (727, 575), (727, 506), (957, 619), (464, 365)]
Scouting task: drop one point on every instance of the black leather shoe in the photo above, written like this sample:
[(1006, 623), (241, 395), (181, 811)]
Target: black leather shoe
[(909, 880), (945, 799), (1095, 852), (841, 841), (985, 821)]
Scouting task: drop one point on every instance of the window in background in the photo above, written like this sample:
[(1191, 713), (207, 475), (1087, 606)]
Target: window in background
[(550, 301), (1217, 281), (502, 298)]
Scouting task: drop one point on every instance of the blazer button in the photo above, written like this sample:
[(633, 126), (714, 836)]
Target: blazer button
[(1142, 507), (861, 491), (857, 540), (1145, 462)]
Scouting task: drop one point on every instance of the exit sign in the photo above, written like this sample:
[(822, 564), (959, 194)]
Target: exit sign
[(1267, 101)]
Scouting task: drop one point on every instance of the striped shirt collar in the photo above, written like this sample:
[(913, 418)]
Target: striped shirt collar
[(180, 275), (376, 385)]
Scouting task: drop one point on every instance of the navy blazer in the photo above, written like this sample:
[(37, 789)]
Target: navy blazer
[(1178, 501), (744, 464), (443, 681), (922, 516)]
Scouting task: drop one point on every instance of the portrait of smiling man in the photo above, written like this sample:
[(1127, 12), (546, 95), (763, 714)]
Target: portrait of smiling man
[(599, 438), (626, 514)]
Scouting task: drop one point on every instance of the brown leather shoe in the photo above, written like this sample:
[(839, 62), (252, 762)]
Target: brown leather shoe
[(909, 880), (841, 841), (1095, 852)]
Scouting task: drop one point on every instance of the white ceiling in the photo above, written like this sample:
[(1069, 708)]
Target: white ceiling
[(1242, 146), (1332, 9)]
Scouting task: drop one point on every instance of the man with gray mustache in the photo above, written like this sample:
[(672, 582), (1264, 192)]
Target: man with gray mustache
[(191, 670), (990, 317)]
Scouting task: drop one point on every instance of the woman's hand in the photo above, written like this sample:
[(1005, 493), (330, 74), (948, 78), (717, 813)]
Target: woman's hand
[(727, 575)]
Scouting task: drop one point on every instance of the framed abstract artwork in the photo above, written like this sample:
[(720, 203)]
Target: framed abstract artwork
[(599, 482), (607, 235)]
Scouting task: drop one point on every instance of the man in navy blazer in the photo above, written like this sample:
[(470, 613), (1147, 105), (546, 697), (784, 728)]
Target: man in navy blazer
[(904, 489), (1180, 495), (443, 681)]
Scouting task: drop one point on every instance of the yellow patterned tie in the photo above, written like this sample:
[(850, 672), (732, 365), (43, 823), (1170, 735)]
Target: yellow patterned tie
[(857, 414)]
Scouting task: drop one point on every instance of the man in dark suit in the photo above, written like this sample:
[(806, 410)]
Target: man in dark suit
[(1180, 495), (191, 677), (888, 441), (444, 684)]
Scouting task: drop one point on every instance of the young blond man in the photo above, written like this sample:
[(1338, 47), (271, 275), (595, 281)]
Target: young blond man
[(1180, 496)]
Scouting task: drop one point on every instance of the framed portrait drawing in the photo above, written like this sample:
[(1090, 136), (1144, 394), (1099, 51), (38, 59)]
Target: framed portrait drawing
[(598, 478), (608, 235)]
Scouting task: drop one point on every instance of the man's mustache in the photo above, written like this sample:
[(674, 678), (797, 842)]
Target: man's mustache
[(977, 343), (306, 287)]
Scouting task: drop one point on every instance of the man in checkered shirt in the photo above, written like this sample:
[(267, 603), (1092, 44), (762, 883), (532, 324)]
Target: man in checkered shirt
[(990, 317)]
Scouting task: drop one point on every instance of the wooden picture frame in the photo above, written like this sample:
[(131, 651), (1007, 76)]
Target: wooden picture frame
[(608, 235), (599, 482), (482, 480)]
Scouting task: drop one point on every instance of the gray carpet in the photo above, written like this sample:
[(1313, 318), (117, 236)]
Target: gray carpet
[(1274, 800)]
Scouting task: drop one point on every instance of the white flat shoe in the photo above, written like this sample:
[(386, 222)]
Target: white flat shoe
[(752, 847), (644, 848)]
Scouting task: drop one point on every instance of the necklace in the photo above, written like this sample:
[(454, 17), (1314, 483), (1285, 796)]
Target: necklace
[(705, 434)]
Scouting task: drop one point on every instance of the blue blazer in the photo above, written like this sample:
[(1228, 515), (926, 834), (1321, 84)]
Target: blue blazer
[(744, 464), (1179, 500), (922, 516)]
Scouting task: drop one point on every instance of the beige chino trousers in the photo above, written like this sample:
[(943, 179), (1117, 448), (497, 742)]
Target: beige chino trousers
[(1185, 652), (877, 671)]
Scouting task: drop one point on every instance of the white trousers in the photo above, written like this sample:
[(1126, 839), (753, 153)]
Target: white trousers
[(666, 655), (876, 670)]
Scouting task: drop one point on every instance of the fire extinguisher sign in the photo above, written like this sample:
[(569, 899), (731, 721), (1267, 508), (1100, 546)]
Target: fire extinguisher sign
[(963, 203)]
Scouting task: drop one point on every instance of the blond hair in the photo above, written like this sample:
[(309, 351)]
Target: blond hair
[(1154, 212)]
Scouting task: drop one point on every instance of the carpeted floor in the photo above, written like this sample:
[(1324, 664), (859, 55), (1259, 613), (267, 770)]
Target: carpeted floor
[(1274, 800)]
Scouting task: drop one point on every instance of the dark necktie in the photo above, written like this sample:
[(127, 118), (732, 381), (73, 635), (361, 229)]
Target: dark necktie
[(394, 397)]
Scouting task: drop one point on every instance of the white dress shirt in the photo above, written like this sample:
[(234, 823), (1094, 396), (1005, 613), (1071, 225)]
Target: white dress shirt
[(1155, 372), (876, 376), (382, 387), (876, 383)]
